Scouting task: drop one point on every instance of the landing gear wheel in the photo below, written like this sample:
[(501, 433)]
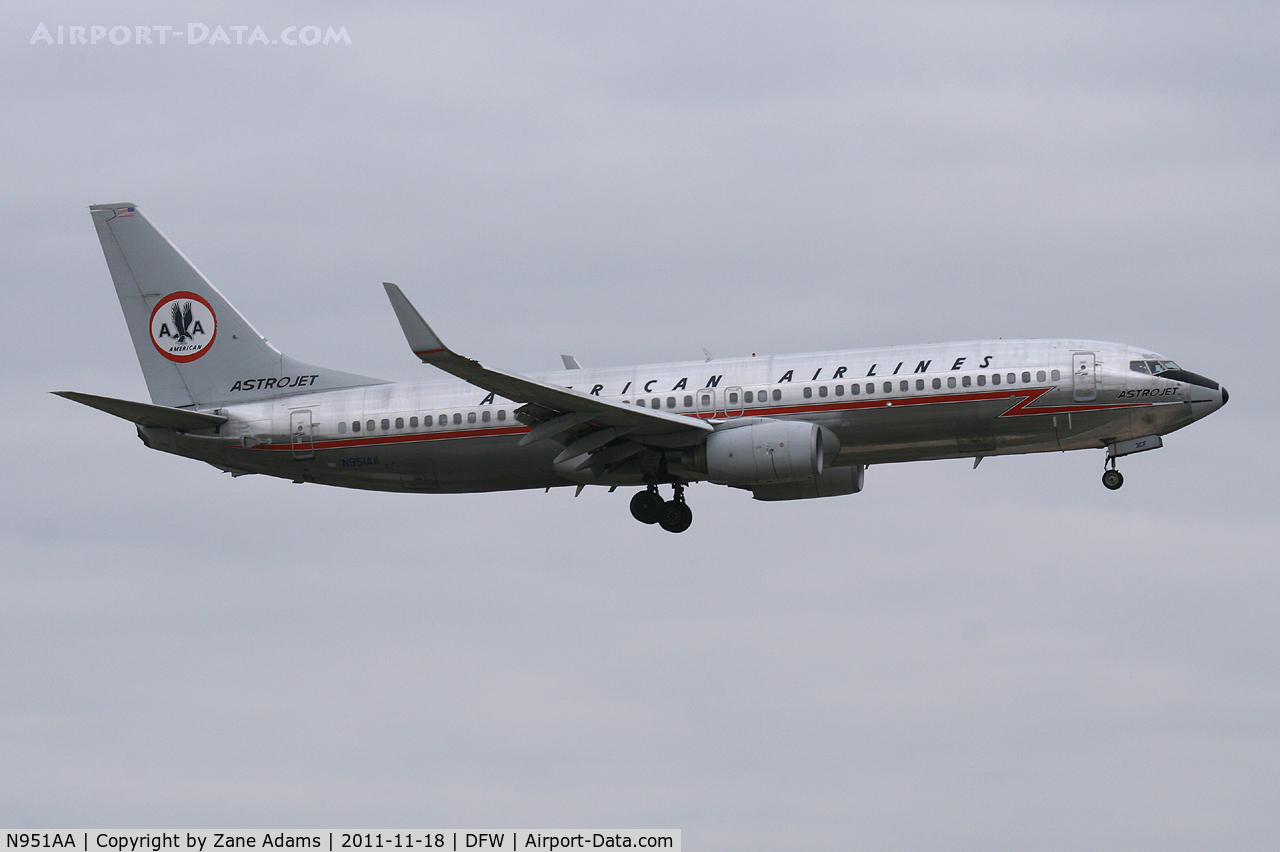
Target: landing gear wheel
[(1112, 479), (646, 507), (676, 516)]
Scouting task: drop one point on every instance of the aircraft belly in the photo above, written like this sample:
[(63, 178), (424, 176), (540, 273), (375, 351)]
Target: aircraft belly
[(457, 466), (494, 464), (901, 433), (968, 429)]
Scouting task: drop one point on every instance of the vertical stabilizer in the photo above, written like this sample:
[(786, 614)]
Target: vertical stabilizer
[(193, 346)]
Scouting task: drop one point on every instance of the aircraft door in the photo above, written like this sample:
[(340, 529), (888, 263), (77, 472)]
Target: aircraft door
[(302, 433), (733, 404), (707, 402), (1083, 376)]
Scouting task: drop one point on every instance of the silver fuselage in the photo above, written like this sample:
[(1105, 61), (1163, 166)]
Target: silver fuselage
[(911, 403)]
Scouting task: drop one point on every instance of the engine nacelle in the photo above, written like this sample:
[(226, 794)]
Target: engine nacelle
[(760, 453), (833, 482)]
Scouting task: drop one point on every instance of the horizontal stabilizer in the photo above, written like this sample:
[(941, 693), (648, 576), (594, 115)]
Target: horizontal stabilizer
[(145, 414)]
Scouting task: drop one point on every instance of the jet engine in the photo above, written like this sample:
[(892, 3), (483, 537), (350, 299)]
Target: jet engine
[(834, 482), (760, 453)]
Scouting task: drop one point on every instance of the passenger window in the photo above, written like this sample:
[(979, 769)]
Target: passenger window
[(671, 402), (706, 400), (822, 391), (413, 422), (342, 428), (937, 384), (995, 378), (688, 402), (951, 381), (839, 390), (1040, 376), (471, 417), (808, 392), (656, 403), (1026, 378), (640, 402), (748, 397), (904, 385), (355, 425), (888, 387), (1012, 377), (485, 415), (777, 395), (871, 387), (966, 381), (982, 381), (399, 422), (733, 398), (370, 426), (919, 384), (457, 419), (502, 414), (855, 389), (1056, 375)]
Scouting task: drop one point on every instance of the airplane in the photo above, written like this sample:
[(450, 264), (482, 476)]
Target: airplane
[(784, 427)]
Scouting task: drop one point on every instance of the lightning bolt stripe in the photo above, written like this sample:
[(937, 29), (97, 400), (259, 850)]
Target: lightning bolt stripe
[(1019, 406)]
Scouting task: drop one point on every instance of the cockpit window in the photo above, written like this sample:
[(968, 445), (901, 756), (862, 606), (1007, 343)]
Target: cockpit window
[(1153, 368)]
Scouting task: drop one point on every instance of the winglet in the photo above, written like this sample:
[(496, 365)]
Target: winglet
[(605, 412), (422, 340)]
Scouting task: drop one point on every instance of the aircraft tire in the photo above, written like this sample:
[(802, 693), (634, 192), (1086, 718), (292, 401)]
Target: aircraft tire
[(1113, 479), (646, 507), (676, 516)]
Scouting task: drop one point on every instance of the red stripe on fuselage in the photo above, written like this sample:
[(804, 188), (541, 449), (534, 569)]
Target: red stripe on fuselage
[(384, 440), (1018, 402), (1018, 407)]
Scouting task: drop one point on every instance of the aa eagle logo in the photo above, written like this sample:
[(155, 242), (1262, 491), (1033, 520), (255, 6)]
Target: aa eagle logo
[(182, 322), (183, 326)]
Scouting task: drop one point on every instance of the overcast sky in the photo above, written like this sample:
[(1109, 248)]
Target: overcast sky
[(1001, 659)]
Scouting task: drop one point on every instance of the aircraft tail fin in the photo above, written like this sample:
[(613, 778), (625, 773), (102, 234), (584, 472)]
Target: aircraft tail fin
[(195, 349)]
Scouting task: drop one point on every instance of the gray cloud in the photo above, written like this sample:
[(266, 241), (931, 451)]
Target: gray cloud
[(999, 658)]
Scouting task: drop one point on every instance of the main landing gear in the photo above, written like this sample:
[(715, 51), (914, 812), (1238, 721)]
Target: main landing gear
[(672, 515), (1111, 477)]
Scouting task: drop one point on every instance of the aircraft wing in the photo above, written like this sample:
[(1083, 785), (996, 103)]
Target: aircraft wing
[(609, 431), (145, 414)]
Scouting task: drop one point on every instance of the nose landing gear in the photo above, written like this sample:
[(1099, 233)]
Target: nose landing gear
[(1111, 477), (672, 515)]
